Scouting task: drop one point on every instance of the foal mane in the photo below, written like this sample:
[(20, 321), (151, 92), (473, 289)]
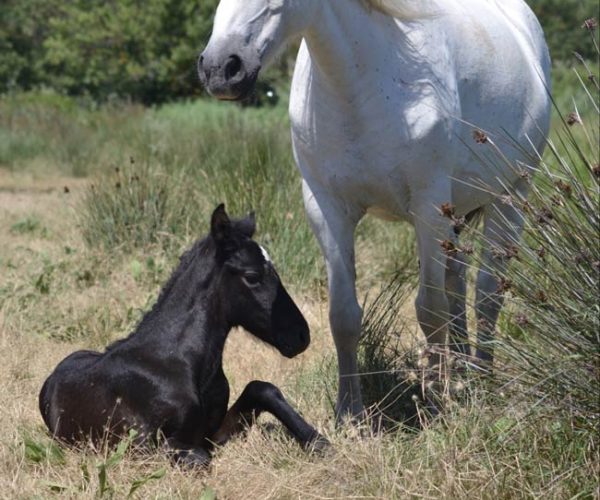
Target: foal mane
[(200, 249), (403, 10)]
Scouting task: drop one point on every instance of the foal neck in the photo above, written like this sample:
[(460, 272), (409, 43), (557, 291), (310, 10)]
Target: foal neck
[(189, 315)]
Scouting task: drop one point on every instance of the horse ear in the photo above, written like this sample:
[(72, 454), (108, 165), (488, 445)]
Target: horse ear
[(220, 224), (247, 226)]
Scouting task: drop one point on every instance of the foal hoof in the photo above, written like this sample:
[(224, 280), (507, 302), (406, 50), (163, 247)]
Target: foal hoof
[(319, 446), (192, 459)]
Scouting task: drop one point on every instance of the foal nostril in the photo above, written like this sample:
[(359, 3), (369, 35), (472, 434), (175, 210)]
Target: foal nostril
[(304, 337), (233, 67)]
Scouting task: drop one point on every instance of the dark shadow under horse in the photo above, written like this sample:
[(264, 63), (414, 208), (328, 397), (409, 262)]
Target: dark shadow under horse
[(166, 378)]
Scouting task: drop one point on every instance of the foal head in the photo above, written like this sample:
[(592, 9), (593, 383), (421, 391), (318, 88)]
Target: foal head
[(250, 289)]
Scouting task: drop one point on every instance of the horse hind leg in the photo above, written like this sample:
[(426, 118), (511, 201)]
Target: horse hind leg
[(502, 228), (456, 289), (456, 293)]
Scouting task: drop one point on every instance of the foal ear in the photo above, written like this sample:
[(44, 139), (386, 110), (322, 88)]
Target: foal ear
[(247, 226), (220, 224)]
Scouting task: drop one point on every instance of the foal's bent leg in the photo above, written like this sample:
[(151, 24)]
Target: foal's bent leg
[(502, 229), (262, 396), (334, 224), (184, 454)]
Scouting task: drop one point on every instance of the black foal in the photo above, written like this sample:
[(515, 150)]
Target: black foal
[(167, 376)]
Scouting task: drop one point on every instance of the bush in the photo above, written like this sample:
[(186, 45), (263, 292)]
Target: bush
[(551, 349), (136, 207)]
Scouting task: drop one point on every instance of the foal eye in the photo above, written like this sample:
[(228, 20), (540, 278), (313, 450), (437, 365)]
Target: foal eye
[(251, 279)]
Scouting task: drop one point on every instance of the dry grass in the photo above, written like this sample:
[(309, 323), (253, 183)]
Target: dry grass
[(57, 295)]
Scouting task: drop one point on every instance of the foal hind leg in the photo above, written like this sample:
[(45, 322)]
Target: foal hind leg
[(262, 396), (502, 228)]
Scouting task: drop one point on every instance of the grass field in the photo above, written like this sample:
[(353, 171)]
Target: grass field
[(96, 204)]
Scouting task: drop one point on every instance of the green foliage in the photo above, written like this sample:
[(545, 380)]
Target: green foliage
[(40, 452), (25, 225), (147, 51), (105, 489), (182, 171), (562, 21), (144, 50)]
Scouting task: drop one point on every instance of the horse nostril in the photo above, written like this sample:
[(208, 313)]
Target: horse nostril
[(233, 67), (203, 73)]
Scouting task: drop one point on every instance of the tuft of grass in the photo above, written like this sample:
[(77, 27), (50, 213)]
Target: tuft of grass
[(182, 171), (26, 225), (137, 206), (549, 353), (389, 379), (42, 451), (553, 341)]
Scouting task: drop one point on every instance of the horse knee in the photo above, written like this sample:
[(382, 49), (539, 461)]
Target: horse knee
[(345, 321), (432, 313)]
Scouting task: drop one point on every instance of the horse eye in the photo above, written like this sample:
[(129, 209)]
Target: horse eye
[(251, 279)]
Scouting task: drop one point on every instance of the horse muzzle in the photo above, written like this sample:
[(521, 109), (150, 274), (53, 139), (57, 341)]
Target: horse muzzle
[(231, 77)]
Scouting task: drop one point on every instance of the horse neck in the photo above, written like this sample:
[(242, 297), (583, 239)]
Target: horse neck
[(350, 46)]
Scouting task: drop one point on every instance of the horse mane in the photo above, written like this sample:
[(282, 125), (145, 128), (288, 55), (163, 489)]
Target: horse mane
[(403, 10)]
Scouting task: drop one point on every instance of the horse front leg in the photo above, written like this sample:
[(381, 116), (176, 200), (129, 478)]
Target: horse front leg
[(333, 224), (258, 397)]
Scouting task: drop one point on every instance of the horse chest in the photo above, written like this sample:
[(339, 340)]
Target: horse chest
[(373, 162)]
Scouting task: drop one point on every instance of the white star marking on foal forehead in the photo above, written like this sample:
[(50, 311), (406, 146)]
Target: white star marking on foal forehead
[(265, 253)]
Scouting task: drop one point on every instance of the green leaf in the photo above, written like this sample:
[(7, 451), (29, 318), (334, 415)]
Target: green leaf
[(41, 452), (136, 269), (138, 483), (208, 494)]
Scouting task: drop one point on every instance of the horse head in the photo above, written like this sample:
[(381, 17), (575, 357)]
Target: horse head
[(252, 294), (246, 36)]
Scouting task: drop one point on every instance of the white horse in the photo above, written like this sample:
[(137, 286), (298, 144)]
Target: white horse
[(385, 99)]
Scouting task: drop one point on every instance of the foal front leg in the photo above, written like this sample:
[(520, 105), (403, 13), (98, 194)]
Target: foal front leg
[(262, 396)]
